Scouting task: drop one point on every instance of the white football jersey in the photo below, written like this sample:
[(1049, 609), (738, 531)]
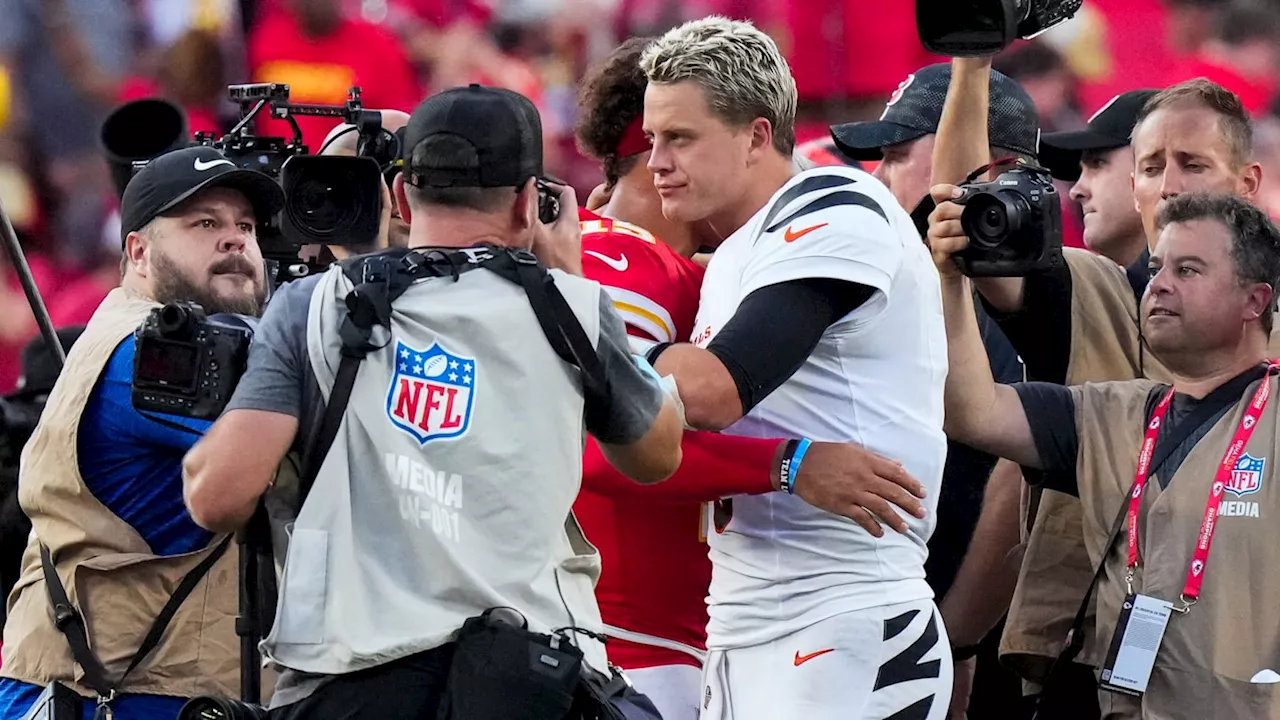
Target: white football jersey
[(876, 379)]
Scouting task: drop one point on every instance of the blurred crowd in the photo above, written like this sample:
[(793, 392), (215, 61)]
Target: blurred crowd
[(65, 64)]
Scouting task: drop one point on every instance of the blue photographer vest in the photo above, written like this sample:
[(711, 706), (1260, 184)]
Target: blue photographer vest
[(449, 486)]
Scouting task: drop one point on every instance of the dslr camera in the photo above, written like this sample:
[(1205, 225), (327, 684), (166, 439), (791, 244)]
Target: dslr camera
[(978, 28), (187, 363), (1014, 224)]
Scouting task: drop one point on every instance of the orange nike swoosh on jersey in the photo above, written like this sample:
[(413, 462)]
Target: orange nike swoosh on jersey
[(790, 236), (802, 659)]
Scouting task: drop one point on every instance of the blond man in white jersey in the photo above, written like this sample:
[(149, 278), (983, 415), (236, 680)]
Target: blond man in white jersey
[(820, 318)]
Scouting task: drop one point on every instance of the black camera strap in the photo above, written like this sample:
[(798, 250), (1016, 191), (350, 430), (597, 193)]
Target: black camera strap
[(70, 622), (382, 278)]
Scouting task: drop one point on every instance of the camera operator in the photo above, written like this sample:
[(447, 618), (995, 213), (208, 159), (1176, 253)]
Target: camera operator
[(19, 413), (1143, 456), (416, 524), (1077, 321), (342, 141), (101, 482)]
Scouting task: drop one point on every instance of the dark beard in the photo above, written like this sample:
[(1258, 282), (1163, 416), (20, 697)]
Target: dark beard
[(173, 285)]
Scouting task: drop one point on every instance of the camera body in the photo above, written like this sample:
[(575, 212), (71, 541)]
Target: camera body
[(1014, 224), (978, 28), (548, 204), (187, 363)]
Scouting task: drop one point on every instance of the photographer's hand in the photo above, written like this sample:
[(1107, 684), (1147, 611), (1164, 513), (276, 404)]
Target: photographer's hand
[(946, 236), (559, 245)]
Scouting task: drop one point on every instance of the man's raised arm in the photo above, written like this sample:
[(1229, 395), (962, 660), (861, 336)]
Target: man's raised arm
[(979, 412), (962, 146)]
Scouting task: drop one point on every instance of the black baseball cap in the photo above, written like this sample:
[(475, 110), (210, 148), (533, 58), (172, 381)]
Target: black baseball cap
[(496, 132), (173, 178), (915, 109), (1108, 129)]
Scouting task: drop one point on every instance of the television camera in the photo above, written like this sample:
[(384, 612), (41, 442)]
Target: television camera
[(329, 200), (964, 28)]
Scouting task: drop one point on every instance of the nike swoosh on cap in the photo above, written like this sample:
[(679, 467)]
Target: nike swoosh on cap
[(201, 165), (621, 264)]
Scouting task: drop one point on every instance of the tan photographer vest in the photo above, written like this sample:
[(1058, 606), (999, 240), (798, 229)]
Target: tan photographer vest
[(109, 572), (1056, 570), (1213, 661)]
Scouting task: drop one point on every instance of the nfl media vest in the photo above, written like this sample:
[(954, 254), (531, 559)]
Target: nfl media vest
[(109, 572), (448, 488), (1214, 660)]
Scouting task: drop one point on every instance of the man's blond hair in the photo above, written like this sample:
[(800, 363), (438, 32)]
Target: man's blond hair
[(739, 68)]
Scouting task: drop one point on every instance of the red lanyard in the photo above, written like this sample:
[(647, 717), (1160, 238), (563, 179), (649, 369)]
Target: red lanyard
[(1199, 559)]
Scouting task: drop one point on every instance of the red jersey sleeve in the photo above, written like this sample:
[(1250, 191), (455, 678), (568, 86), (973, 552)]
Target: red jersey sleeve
[(715, 466)]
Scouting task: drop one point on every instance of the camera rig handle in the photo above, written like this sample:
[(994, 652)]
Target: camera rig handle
[(274, 97), (18, 259)]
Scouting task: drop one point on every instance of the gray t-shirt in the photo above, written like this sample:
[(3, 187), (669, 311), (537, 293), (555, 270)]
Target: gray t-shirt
[(279, 377)]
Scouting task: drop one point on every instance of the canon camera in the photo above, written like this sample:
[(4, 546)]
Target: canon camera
[(976, 28), (1014, 224), (187, 363)]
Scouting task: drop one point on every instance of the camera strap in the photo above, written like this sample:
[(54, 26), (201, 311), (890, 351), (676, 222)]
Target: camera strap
[(70, 622), (382, 278)]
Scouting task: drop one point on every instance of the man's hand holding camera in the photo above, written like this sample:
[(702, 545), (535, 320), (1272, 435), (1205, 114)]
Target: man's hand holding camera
[(558, 244), (946, 236)]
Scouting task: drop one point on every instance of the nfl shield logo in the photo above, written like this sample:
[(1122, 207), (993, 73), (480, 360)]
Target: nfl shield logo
[(431, 392), (1246, 478)]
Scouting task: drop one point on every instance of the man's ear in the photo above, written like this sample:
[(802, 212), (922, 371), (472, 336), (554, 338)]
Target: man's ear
[(137, 253), (1251, 181), (526, 205), (402, 201), (761, 138), (1261, 298)]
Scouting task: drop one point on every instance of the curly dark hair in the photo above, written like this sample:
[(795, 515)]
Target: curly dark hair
[(612, 97)]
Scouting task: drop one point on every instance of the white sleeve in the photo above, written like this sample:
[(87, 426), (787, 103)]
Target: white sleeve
[(845, 242)]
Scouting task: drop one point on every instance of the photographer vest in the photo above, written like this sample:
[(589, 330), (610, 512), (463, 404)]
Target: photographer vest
[(108, 570), (448, 487), (1056, 570), (1209, 658)]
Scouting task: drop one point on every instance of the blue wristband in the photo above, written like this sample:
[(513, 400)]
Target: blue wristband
[(793, 466)]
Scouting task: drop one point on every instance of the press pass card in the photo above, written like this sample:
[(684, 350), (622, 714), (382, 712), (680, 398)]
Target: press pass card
[(1135, 644)]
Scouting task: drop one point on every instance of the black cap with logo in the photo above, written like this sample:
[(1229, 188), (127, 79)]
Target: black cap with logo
[(915, 109), (473, 137), (1108, 129), (175, 177)]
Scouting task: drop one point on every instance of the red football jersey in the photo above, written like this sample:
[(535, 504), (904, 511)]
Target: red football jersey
[(651, 539), (655, 565)]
